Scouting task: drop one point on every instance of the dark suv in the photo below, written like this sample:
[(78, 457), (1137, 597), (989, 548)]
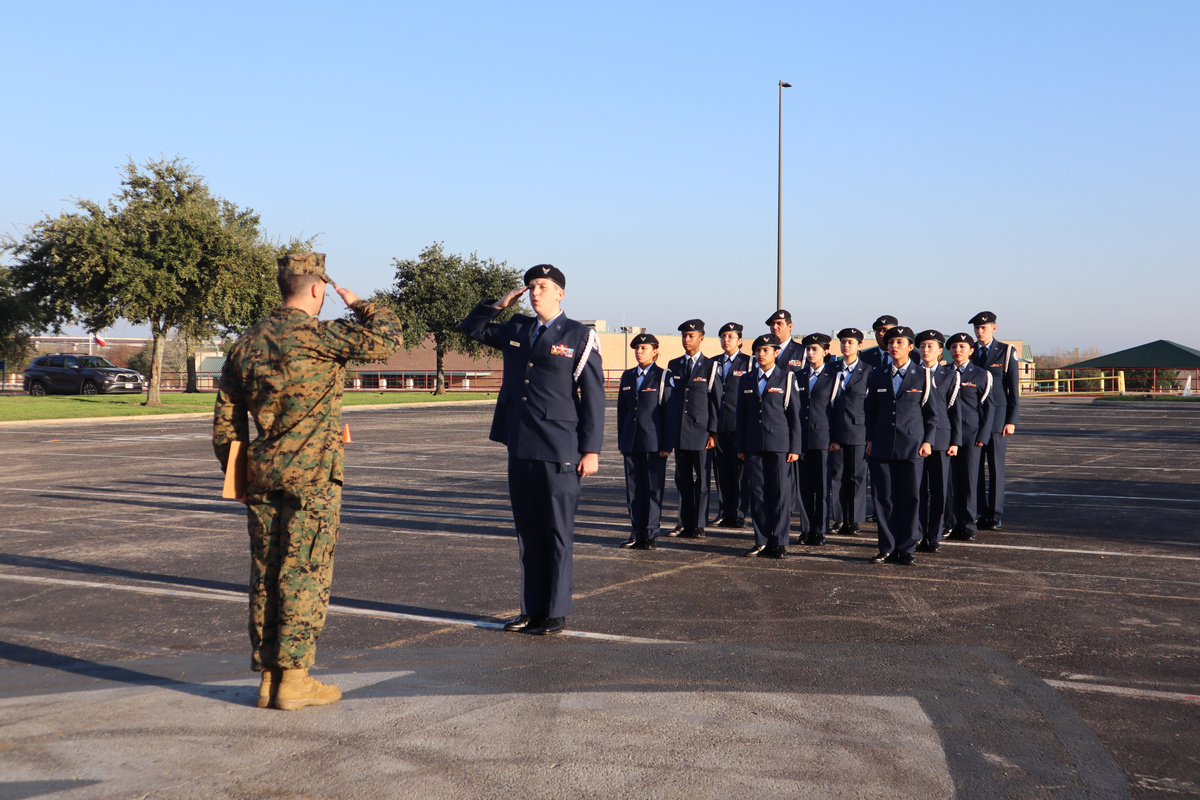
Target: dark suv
[(70, 373)]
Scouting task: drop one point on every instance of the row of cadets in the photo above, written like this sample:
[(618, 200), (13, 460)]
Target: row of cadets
[(733, 499), (901, 424), (1000, 359), (847, 457), (647, 430), (769, 441), (698, 397), (817, 382), (976, 412), (944, 381)]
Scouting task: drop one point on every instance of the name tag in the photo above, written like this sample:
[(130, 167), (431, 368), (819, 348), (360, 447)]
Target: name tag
[(626, 388), (747, 391), (881, 390), (562, 350), (514, 344)]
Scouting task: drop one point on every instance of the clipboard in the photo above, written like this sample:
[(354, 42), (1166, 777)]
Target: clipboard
[(235, 471)]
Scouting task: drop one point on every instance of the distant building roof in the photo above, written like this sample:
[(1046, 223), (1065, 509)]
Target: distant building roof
[(211, 365), (1162, 354)]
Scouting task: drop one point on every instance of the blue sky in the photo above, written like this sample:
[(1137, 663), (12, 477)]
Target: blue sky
[(1037, 159)]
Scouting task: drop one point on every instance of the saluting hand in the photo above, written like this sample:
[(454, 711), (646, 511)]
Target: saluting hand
[(510, 298), (348, 297)]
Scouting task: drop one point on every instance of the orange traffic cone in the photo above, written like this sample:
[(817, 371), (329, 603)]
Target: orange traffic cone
[(346, 435)]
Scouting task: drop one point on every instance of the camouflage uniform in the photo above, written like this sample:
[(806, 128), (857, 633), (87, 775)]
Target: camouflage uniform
[(287, 372)]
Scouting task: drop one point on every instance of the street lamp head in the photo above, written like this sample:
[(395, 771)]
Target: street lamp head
[(785, 84)]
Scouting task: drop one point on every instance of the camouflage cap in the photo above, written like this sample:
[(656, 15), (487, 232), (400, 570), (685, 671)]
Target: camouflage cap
[(304, 264)]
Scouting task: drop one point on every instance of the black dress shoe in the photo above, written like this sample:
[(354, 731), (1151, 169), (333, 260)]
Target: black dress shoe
[(549, 626), (630, 542), (678, 529), (905, 559), (893, 558), (871, 518), (757, 550), (814, 539), (778, 551), (521, 623), (693, 533), (739, 522), (986, 524), (995, 525), (927, 546), (851, 529), (645, 544), (879, 557)]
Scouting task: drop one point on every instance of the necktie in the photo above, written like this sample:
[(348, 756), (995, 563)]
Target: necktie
[(728, 364), (897, 377), (537, 334), (762, 382), (641, 375)]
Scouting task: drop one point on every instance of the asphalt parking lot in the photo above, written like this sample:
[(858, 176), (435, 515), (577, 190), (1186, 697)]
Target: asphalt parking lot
[(1057, 658)]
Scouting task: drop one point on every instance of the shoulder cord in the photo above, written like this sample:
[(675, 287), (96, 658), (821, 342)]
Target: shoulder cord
[(987, 392), (593, 343), (662, 383), (954, 391), (929, 384), (787, 396), (837, 381), (712, 376)]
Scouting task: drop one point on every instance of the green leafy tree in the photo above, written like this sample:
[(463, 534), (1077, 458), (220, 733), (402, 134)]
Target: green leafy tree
[(20, 320), (163, 252), (435, 291)]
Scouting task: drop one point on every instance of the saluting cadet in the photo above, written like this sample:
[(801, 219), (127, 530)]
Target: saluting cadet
[(732, 364), (975, 419), (816, 381), (878, 356), (769, 438), (791, 352), (847, 455), (1001, 360), (698, 409), (645, 436), (550, 414), (946, 440), (287, 372), (901, 424)]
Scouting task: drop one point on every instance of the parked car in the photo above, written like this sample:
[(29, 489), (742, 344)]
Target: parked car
[(70, 373)]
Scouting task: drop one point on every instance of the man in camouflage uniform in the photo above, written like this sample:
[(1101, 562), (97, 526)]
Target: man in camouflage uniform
[(287, 372)]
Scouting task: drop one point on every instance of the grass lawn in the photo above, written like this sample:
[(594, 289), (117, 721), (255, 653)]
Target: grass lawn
[(21, 406)]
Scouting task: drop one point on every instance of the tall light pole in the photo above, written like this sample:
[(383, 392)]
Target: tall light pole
[(779, 230)]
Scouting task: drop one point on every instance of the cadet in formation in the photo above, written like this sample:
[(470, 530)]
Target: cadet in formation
[(769, 441), (847, 456), (901, 424), (975, 423), (733, 500), (878, 356), (287, 372), (646, 432), (935, 471), (698, 397), (816, 382), (791, 358), (550, 414), (1001, 360)]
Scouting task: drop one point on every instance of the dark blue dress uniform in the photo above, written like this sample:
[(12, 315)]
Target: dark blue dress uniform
[(550, 410), (768, 429), (878, 356), (848, 464), (816, 415), (976, 411), (1001, 360), (732, 499), (645, 427), (698, 393), (936, 472), (899, 421)]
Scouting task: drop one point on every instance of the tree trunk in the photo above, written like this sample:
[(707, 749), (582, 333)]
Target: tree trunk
[(440, 385), (159, 336), (192, 385)]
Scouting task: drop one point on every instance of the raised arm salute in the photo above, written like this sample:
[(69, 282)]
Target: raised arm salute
[(550, 415)]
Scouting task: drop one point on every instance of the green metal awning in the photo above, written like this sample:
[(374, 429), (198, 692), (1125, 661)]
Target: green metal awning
[(1162, 354)]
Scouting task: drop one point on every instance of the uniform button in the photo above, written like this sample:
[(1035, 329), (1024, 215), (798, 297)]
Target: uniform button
[(524, 398), (527, 380), (530, 364)]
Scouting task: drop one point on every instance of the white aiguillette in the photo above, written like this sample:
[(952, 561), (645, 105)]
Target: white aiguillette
[(235, 471)]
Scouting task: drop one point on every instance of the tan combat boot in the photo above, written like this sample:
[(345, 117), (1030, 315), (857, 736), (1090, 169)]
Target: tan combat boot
[(297, 690), (268, 687)]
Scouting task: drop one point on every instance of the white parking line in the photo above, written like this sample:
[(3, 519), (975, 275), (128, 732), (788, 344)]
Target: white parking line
[(227, 596), (1125, 691)]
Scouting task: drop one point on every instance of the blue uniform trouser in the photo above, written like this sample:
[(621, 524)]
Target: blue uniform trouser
[(691, 479), (544, 497), (848, 484), (964, 480), (729, 468), (935, 474), (798, 512), (991, 478), (897, 485), (814, 489), (770, 482), (645, 481)]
